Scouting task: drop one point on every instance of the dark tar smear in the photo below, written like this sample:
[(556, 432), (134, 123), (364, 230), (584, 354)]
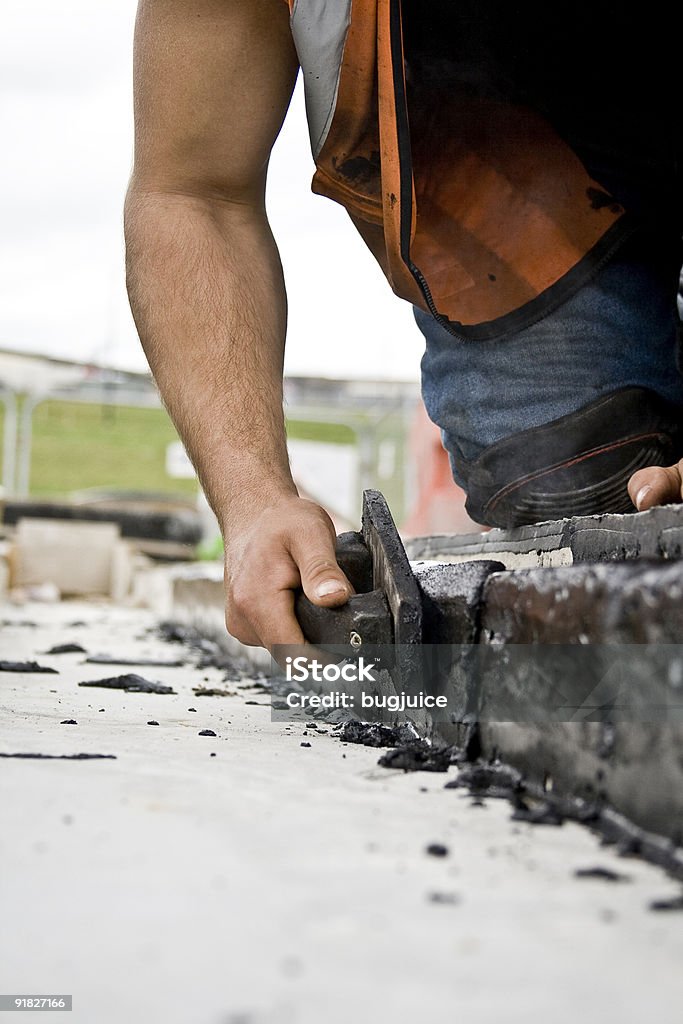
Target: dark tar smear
[(64, 757), (444, 898), (207, 732), (601, 874), (110, 659), (209, 652), (500, 781), (211, 691), (131, 683), (675, 903)]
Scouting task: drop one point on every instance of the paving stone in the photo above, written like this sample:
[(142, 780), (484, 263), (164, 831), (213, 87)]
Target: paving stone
[(657, 533), (585, 688), (452, 599), (630, 603)]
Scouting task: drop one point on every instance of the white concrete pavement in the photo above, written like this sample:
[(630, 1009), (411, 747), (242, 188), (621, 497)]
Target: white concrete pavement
[(281, 884)]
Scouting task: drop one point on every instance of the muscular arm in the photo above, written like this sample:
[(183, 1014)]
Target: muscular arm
[(213, 80)]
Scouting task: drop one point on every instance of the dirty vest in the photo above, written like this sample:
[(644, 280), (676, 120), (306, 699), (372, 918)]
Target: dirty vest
[(478, 213)]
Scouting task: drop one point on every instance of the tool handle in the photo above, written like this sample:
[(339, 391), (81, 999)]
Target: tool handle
[(364, 619)]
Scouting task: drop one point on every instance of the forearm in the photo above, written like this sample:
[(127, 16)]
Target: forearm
[(213, 80), (208, 298)]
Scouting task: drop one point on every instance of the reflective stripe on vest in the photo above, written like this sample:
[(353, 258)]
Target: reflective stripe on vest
[(319, 30)]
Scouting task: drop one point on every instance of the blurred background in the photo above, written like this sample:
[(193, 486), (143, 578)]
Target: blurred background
[(82, 426)]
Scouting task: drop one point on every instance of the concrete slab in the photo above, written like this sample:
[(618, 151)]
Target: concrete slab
[(279, 884), (77, 558)]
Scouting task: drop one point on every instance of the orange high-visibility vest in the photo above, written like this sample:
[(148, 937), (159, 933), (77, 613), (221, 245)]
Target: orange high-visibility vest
[(489, 228)]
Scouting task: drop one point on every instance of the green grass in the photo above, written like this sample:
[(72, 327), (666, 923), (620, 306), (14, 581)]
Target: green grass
[(332, 433), (78, 445)]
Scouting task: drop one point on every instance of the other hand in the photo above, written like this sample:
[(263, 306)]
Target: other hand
[(656, 485)]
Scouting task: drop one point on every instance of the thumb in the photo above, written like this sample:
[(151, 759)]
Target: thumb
[(656, 485), (322, 580)]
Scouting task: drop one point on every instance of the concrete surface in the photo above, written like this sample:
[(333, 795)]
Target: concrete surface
[(277, 884)]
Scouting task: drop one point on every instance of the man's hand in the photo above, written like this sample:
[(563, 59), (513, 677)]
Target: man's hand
[(656, 485), (271, 552)]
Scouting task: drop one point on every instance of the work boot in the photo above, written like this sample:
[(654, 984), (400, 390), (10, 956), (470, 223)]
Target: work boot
[(577, 465)]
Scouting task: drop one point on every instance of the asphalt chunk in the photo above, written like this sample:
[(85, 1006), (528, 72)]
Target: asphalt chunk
[(372, 734), (491, 780), (152, 722), (66, 649), (131, 683), (419, 756), (207, 732), (211, 691), (543, 814), (26, 666)]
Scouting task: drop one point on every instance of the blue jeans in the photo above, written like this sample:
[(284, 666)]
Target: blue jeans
[(619, 330)]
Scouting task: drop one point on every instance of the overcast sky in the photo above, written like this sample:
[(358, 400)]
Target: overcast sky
[(66, 142)]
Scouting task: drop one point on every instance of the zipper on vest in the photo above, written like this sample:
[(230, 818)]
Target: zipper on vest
[(405, 161)]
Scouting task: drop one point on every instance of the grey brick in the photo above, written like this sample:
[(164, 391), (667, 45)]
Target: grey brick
[(631, 603)]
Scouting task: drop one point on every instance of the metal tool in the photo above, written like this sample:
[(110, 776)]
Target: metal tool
[(396, 614), (387, 606), (382, 622)]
